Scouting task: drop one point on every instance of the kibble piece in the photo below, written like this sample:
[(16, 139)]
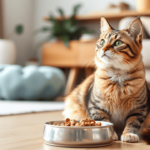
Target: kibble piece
[(67, 124), (82, 123), (77, 124), (98, 123), (87, 124), (67, 120), (73, 122), (84, 120), (91, 120), (62, 124), (92, 123)]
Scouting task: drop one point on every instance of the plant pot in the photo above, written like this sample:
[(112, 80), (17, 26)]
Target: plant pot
[(143, 5), (7, 52)]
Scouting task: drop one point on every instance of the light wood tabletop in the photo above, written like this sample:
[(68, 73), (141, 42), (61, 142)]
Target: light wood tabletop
[(24, 132)]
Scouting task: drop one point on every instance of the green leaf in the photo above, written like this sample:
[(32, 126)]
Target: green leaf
[(19, 29), (73, 29), (61, 12), (52, 19), (65, 40), (75, 10), (44, 29)]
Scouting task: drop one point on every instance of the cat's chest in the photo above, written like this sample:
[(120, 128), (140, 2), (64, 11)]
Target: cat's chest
[(117, 76), (115, 85), (117, 92), (118, 109)]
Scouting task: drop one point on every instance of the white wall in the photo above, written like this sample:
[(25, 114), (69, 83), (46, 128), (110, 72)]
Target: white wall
[(19, 12), (30, 13)]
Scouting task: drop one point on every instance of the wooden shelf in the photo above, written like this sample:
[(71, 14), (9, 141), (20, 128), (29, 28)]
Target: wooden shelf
[(110, 16)]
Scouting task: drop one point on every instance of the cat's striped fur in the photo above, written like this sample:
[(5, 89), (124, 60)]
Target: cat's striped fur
[(117, 91)]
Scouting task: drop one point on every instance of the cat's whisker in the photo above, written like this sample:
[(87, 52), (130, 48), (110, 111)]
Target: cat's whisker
[(87, 62), (98, 31)]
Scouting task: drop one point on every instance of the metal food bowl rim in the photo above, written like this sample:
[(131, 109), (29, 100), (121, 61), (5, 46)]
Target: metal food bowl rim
[(78, 127)]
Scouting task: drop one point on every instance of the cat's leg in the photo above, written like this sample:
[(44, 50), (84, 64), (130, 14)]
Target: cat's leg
[(74, 109), (75, 103), (133, 126), (100, 115), (115, 136)]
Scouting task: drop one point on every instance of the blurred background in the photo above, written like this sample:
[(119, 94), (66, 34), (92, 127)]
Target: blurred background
[(47, 46)]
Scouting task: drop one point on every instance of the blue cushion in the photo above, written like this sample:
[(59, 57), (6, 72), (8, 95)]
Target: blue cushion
[(30, 82)]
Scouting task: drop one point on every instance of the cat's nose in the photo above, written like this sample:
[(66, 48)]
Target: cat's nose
[(105, 49)]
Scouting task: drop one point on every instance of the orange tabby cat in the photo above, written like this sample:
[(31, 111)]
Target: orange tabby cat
[(117, 92)]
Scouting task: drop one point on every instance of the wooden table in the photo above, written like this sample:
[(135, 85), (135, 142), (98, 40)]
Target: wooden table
[(24, 132), (77, 55)]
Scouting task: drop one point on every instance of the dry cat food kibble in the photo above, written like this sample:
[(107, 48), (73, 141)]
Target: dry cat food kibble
[(83, 122)]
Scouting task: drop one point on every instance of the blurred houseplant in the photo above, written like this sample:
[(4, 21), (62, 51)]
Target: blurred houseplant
[(8, 49), (65, 29)]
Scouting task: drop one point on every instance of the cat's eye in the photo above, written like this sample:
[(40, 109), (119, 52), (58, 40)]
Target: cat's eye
[(118, 43), (102, 42)]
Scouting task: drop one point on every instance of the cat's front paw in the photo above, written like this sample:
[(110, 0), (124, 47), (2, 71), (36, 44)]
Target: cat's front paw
[(115, 136), (130, 137)]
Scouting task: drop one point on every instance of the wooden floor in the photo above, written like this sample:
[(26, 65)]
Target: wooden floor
[(24, 132)]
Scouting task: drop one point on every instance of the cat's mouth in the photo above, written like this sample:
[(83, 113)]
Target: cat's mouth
[(104, 55)]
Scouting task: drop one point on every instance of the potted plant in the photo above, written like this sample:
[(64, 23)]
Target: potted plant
[(143, 5), (65, 29)]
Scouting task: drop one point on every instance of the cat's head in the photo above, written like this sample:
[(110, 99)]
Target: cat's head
[(120, 49)]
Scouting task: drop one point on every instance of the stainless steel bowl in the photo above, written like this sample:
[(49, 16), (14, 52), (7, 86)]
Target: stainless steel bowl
[(87, 136)]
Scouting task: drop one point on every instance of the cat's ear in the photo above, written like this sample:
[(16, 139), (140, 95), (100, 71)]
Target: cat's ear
[(105, 26), (135, 28)]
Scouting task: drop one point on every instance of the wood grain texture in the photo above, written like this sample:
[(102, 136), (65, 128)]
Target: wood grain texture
[(24, 132), (71, 80), (56, 54), (77, 55)]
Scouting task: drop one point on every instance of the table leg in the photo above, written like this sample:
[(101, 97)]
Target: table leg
[(89, 71), (71, 80)]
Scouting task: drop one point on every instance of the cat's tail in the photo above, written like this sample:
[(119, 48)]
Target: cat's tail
[(146, 130)]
